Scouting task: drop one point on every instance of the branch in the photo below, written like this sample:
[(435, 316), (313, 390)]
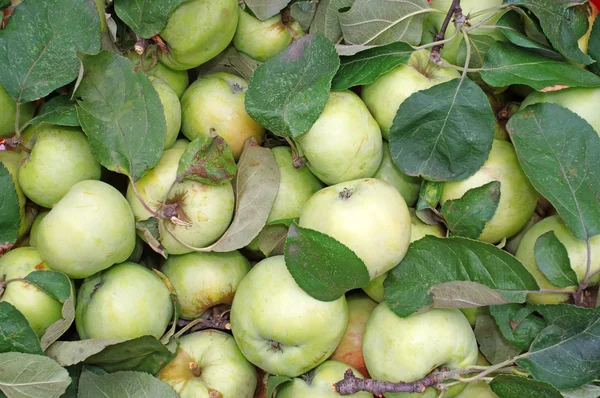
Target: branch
[(352, 384), (435, 51)]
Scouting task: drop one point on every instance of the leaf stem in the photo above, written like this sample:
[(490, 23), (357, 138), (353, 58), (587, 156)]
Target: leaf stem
[(17, 117), (142, 201), (492, 369), (487, 10), (407, 16), (436, 43), (468, 58)]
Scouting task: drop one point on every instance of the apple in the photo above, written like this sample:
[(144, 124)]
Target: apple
[(384, 96), (203, 280), (278, 326), (91, 228), (214, 104), (319, 382), (197, 31), (10, 160), (577, 250), (512, 244), (8, 113), (517, 196), (39, 308), (408, 186), (123, 302), (171, 107), (367, 215), (177, 79), (408, 349), (36, 226), (209, 364), (60, 157)]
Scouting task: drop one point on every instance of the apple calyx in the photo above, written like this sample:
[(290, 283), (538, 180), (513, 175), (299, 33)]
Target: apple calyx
[(346, 193), (172, 210), (275, 345)]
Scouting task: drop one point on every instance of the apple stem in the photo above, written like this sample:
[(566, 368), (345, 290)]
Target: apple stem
[(579, 296), (137, 193), (195, 369), (435, 51)]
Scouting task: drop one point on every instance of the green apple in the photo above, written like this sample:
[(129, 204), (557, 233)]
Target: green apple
[(408, 186), (197, 31), (60, 157), (367, 215), (171, 107), (8, 113), (344, 143), (319, 381), (40, 309), (384, 96), (203, 280), (36, 226), (177, 79), (577, 250), (407, 349), (209, 365), (478, 389), (517, 196), (90, 229), (123, 302), (10, 160), (214, 104), (278, 326)]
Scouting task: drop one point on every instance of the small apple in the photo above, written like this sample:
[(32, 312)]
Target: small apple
[(177, 79), (408, 186), (60, 157), (88, 230), (123, 302), (203, 280), (384, 96), (577, 250), (517, 196), (278, 326), (8, 113), (40, 309), (367, 215), (197, 31), (171, 107), (10, 160), (209, 365), (214, 104)]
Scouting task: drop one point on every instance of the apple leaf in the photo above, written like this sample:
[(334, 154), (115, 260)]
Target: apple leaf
[(274, 382), (151, 233), (327, 21), (230, 61), (121, 114), (123, 385), (323, 267), (4, 4), (68, 353), (432, 260), (429, 197), (507, 64), (509, 386), (587, 391), (304, 12), (382, 21), (366, 66), (27, 375), (492, 344), (59, 327), (518, 324), (552, 259), (464, 294), (560, 154), (594, 47), (479, 47), (146, 17), (39, 44), (443, 133), (513, 28), (271, 240), (207, 160), (468, 215), (288, 92), (10, 219), (176, 306), (54, 283), (59, 110), (15, 333), (264, 9)]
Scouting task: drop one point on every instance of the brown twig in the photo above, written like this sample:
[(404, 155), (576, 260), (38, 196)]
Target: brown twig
[(435, 50), (352, 384)]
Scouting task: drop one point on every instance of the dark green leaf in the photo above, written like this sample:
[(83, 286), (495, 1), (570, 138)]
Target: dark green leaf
[(587, 391), (429, 197), (431, 261), (59, 110), (511, 25), (264, 9), (443, 133), (468, 215), (15, 332), (327, 19), (4, 4), (560, 154), (46, 36), (10, 219), (54, 283), (230, 61), (479, 46), (304, 12), (151, 233), (464, 294), (594, 47), (121, 113), (208, 160), (288, 92), (123, 385), (509, 386), (274, 382), (552, 259), (323, 267), (145, 17), (518, 324), (74, 373), (28, 375), (492, 344)]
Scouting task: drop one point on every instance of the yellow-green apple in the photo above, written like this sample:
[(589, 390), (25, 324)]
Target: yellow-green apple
[(171, 107), (10, 160), (278, 326), (8, 114), (177, 79), (36, 226), (408, 186)]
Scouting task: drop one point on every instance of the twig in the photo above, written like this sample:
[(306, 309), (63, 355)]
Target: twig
[(215, 321), (352, 384), (578, 296), (435, 51)]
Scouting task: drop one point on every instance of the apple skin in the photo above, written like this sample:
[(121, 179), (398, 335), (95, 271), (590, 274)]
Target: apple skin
[(576, 249), (408, 186), (374, 221), (60, 157), (36, 226), (177, 79), (123, 302), (171, 107), (10, 160), (197, 31), (90, 229), (261, 40), (40, 309), (8, 112), (384, 96), (215, 104), (203, 280), (319, 382), (278, 326), (517, 196), (224, 372)]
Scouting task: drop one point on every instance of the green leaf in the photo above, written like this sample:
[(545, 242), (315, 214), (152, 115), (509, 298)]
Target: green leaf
[(594, 47), (121, 113), (59, 110), (366, 66), (429, 197), (264, 9), (28, 375), (560, 154), (151, 233), (69, 353), (479, 45), (230, 61), (327, 19), (518, 324), (123, 385), (274, 382), (304, 12), (323, 267), (587, 391), (552, 259), (166, 338), (513, 28), (146, 18), (54, 283), (4, 4), (39, 44), (507, 64), (492, 343), (271, 240), (288, 92), (382, 22), (468, 215), (443, 133), (431, 261), (15, 332), (10, 219), (464, 294), (509, 386), (59, 327), (207, 160)]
